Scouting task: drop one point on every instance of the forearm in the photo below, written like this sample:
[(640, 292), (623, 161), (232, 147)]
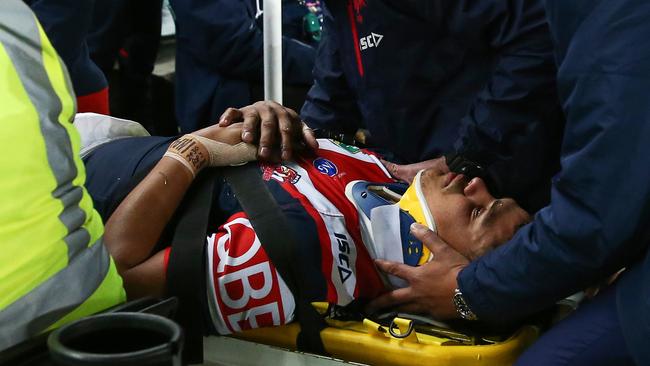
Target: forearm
[(136, 225), (514, 125), (597, 220), (330, 104)]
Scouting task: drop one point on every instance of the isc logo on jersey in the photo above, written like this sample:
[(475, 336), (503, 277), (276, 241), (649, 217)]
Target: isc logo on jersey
[(343, 257), (370, 41)]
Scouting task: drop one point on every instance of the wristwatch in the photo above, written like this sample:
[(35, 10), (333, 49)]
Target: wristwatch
[(461, 306)]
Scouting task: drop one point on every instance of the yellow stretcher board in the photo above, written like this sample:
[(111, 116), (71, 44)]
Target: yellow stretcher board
[(371, 343)]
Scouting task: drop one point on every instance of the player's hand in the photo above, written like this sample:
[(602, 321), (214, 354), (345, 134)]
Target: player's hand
[(230, 134), (407, 172), (271, 126), (212, 146), (431, 285)]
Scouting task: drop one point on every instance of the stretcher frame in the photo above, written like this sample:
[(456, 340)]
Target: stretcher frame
[(362, 343)]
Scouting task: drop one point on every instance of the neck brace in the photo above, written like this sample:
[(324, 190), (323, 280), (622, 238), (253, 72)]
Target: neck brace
[(415, 204), (386, 212)]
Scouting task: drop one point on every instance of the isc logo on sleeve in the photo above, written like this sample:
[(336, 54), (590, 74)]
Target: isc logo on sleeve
[(370, 41)]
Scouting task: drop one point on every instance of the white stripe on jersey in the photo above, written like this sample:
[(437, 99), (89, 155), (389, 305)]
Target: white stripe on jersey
[(344, 250), (215, 312), (327, 144), (248, 313)]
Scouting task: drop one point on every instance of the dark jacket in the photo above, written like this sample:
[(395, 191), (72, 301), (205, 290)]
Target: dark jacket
[(67, 23), (428, 78), (219, 54), (599, 216)]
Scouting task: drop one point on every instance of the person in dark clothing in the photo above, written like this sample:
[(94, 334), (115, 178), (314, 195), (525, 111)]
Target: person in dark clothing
[(597, 221), (432, 78), (125, 30), (219, 57), (67, 23), (128, 32)]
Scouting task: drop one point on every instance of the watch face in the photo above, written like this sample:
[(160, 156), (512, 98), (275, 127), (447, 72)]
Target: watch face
[(461, 306)]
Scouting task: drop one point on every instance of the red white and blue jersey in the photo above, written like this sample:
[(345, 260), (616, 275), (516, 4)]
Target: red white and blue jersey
[(244, 289)]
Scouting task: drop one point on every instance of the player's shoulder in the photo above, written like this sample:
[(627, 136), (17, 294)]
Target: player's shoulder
[(334, 156)]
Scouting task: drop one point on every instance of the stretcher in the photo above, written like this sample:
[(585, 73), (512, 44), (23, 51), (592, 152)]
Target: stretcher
[(387, 340), (403, 342)]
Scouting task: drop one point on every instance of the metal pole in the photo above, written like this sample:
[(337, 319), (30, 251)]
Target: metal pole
[(273, 50)]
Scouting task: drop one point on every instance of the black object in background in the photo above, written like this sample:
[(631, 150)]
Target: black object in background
[(34, 351), (117, 339)]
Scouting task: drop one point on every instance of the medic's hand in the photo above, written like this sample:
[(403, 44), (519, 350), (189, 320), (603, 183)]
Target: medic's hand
[(271, 125), (431, 285), (407, 172)]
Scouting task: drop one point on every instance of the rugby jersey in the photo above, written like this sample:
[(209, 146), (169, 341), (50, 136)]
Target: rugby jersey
[(243, 288)]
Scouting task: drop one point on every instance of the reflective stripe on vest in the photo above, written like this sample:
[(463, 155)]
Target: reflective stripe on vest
[(53, 264)]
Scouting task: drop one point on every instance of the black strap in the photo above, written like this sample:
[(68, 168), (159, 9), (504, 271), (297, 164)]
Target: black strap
[(186, 262), (276, 236)]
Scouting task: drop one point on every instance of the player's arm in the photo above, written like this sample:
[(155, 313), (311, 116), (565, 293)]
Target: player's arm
[(136, 225)]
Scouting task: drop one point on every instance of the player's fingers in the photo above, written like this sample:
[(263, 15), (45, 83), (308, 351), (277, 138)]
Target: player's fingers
[(392, 168), (442, 252), (230, 116), (309, 136), (428, 238), (251, 123), (301, 131), (412, 308), (400, 296), (268, 130), (400, 270), (285, 125)]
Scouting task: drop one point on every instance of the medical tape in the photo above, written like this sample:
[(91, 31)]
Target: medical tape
[(222, 154), (190, 152), (195, 152)]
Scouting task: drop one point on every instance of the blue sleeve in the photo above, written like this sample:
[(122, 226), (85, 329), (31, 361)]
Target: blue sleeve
[(330, 103), (67, 23), (224, 36), (514, 123), (598, 217)]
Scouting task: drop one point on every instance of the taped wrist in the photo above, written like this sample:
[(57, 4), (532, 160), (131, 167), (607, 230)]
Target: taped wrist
[(190, 152), (222, 154)]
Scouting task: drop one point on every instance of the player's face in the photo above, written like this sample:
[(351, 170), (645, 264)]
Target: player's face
[(467, 216)]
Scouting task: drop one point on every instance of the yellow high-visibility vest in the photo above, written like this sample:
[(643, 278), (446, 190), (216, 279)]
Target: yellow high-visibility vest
[(54, 266)]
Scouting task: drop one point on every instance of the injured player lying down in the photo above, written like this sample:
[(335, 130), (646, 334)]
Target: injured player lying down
[(340, 221)]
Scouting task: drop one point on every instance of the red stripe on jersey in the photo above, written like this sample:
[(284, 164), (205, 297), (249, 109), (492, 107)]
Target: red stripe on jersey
[(244, 278), (323, 237), (333, 188)]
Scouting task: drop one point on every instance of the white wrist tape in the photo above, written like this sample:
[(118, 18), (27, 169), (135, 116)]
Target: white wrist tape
[(222, 154), (190, 152)]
